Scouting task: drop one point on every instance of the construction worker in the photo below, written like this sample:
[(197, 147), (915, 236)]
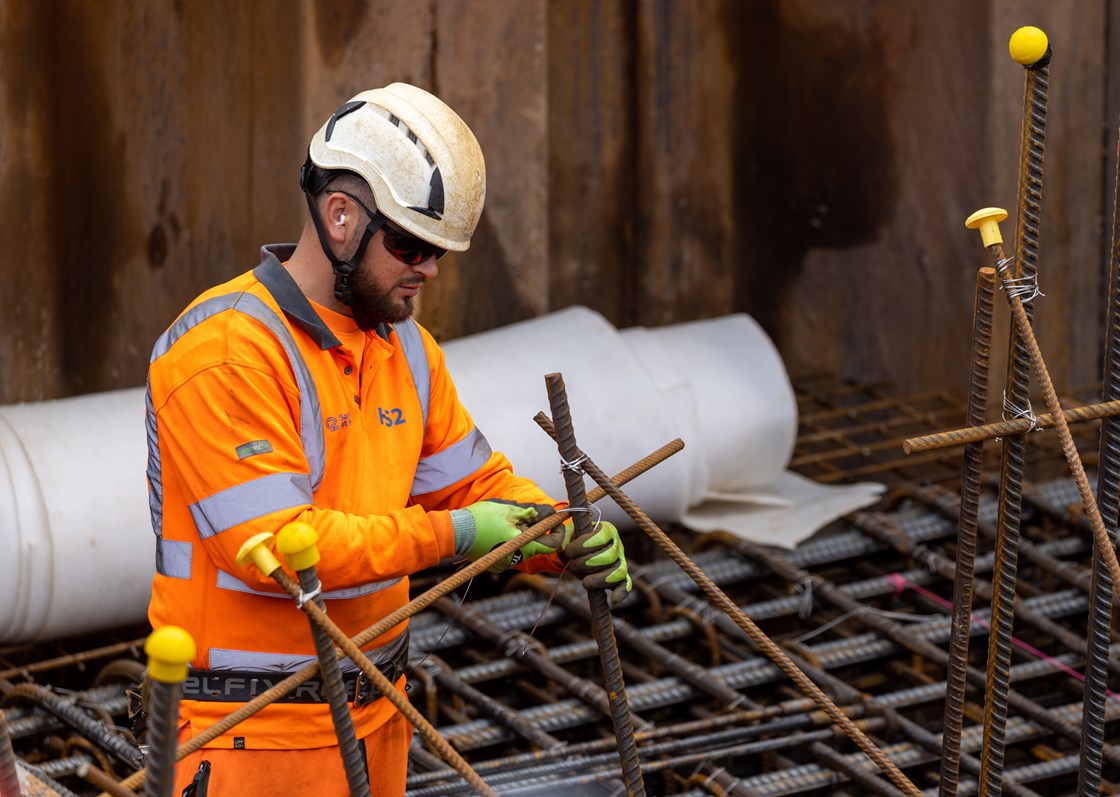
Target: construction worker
[(303, 390)]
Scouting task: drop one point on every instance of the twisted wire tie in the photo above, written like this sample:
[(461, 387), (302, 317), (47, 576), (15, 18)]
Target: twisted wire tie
[(574, 465), (1012, 412), (304, 597), (1024, 288)]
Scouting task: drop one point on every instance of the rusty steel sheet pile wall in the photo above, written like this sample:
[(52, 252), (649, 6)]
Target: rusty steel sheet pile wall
[(804, 162)]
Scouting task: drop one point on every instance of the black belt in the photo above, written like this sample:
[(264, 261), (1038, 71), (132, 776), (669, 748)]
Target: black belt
[(239, 686)]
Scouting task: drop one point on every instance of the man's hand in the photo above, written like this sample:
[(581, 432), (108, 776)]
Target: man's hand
[(483, 526), (599, 560)]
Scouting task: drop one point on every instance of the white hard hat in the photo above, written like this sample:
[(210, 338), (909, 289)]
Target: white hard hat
[(420, 159)]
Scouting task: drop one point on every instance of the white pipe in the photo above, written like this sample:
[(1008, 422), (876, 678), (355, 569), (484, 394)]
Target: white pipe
[(73, 499), (78, 546)]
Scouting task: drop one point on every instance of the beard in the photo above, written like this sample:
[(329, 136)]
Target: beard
[(372, 306)]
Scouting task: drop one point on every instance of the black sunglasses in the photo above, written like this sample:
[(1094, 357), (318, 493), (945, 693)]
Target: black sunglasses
[(407, 248), (404, 246)]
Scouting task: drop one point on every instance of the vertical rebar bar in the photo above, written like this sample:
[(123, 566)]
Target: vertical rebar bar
[(966, 534), (1108, 486), (9, 776), (353, 758), (1013, 459), (598, 599), (163, 714), (170, 650)]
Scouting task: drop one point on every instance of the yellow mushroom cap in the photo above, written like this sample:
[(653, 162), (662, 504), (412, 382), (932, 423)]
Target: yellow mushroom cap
[(170, 649), (1028, 45), (296, 541)]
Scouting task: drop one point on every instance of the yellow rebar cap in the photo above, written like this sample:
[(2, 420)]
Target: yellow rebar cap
[(258, 550), (987, 221), (296, 541), (170, 650), (1028, 45)]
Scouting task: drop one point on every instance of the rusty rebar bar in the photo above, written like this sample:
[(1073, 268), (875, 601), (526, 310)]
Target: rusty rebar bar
[(100, 780), (966, 534), (353, 756), (420, 602), (978, 433), (729, 607), (9, 774), (73, 658), (598, 599), (163, 726), (1108, 485), (1024, 267), (98, 733)]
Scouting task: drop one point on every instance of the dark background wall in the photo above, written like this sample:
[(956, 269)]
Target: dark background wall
[(808, 163)]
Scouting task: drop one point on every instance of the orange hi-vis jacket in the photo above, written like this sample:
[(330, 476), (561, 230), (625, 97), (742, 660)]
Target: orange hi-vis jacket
[(260, 412)]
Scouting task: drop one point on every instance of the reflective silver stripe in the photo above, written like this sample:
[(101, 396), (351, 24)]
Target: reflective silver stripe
[(255, 661), (414, 353), (455, 462), (310, 417), (155, 470), (173, 558), (230, 581), (249, 500)]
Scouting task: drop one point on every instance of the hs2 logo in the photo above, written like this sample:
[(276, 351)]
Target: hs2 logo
[(390, 417)]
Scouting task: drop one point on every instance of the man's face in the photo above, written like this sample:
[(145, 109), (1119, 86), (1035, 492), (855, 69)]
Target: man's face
[(385, 288)]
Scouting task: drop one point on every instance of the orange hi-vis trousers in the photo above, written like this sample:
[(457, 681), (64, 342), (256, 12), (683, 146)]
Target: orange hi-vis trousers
[(316, 772)]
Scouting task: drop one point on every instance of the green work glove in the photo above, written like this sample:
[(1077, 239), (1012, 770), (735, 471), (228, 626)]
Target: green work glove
[(599, 560), (483, 526)]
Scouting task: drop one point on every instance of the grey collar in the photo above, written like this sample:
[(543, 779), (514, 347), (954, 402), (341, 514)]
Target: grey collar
[(288, 295)]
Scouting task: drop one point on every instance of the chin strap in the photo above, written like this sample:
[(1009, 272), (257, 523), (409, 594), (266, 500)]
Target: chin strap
[(343, 269)]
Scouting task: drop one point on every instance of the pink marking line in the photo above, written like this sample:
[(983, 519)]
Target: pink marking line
[(902, 584)]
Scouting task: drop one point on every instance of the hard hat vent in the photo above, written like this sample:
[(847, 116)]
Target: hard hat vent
[(349, 107)]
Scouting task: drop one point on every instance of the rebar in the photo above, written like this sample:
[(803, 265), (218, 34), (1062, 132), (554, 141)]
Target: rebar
[(163, 726), (99, 780), (598, 599), (978, 433), (966, 533), (103, 737), (1108, 484), (9, 776), (353, 757), (1024, 267), (720, 599)]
